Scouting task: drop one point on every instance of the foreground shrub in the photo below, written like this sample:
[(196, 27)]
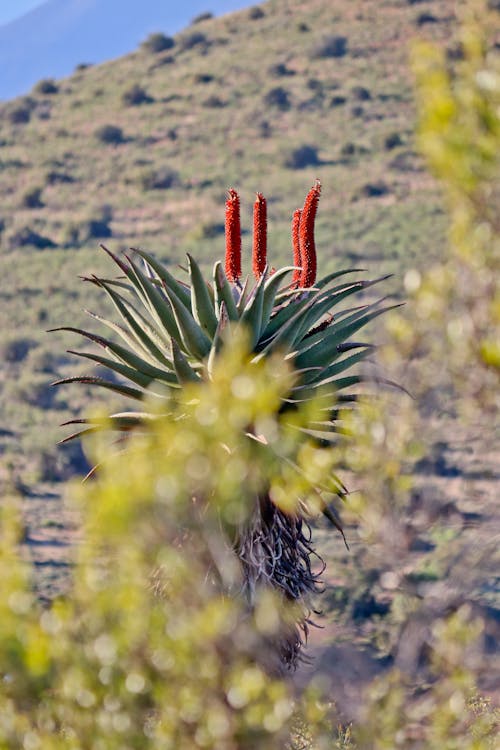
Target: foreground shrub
[(148, 649)]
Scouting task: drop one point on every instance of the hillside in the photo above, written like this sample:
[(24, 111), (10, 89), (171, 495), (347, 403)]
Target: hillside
[(52, 39), (140, 150)]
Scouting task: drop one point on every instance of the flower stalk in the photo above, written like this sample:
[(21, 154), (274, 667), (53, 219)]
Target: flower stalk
[(307, 247), (297, 260), (259, 250), (233, 237)]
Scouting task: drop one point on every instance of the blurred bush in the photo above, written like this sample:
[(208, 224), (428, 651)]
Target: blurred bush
[(154, 647)]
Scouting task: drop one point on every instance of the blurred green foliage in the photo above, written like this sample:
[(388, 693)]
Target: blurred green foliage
[(444, 347), (155, 645), (148, 650)]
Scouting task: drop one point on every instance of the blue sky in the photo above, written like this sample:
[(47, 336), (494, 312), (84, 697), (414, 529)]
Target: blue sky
[(10, 9)]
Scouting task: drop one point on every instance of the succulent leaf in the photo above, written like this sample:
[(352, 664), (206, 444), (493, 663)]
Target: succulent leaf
[(183, 370), (251, 316), (193, 338), (122, 390), (223, 293), (141, 329), (202, 305), (158, 305), (181, 291)]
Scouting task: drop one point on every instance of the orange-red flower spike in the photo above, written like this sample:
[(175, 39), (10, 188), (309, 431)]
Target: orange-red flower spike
[(296, 247), (306, 237), (259, 250), (233, 237)]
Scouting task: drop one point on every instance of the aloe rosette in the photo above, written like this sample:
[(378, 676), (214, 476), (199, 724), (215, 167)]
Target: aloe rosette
[(171, 332)]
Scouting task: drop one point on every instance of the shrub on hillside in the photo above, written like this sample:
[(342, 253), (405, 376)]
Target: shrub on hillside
[(348, 149), (46, 87), (19, 114), (136, 95), (207, 230), (255, 13), (93, 227), (32, 198), (26, 236), (157, 42), (392, 140), (193, 39), (206, 16), (159, 179), (338, 100), (373, 189), (203, 78), (213, 101), (110, 134), (277, 97), (361, 93), (56, 177), (425, 18), (329, 46), (264, 129), (280, 70), (15, 349), (301, 157)]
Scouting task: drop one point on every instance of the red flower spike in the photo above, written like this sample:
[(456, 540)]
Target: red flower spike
[(233, 237), (259, 250), (296, 247), (306, 237)]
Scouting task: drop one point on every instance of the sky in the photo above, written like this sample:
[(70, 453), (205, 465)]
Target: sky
[(10, 9)]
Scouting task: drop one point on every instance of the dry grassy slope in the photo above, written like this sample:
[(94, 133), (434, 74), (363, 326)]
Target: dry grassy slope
[(214, 134)]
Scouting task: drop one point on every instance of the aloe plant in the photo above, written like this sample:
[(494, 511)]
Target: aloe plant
[(171, 332)]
